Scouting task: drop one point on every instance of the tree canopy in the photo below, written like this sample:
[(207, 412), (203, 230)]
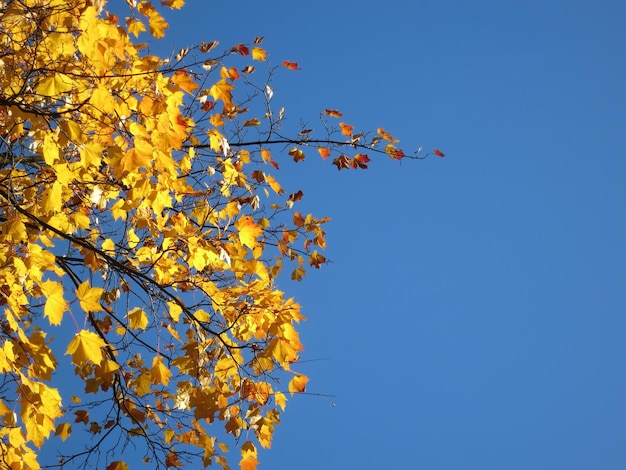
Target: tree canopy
[(142, 231)]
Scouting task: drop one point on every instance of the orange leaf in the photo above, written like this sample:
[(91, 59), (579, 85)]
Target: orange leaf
[(184, 80), (333, 113), (291, 65), (386, 135), (298, 384), (346, 129), (438, 152), (248, 456), (324, 152)]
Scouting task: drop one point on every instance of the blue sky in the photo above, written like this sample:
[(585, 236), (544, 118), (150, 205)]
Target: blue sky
[(474, 315)]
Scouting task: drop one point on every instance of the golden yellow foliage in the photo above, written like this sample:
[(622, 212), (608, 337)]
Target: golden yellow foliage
[(143, 235)]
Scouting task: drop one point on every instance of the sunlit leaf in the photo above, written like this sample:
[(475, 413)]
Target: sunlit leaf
[(291, 65), (298, 384), (89, 297), (86, 346)]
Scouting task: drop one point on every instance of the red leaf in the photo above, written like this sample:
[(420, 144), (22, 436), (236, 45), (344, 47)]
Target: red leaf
[(296, 196), (438, 152), (241, 49), (361, 160), (291, 65), (208, 106)]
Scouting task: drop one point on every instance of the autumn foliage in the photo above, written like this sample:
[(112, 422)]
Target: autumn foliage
[(142, 231)]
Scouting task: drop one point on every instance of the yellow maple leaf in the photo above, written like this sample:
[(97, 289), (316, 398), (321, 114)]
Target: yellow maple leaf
[(55, 85), (258, 53), (89, 297), (137, 318), (86, 346), (50, 149), (134, 26), (55, 303), (222, 91), (298, 384), (248, 231), (159, 374), (156, 22), (51, 199), (280, 400)]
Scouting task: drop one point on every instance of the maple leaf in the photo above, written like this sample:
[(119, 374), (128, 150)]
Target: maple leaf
[(222, 91), (324, 152), (155, 21), (361, 160), (346, 129), (184, 81), (393, 152), (296, 154), (55, 303), (291, 65), (241, 49), (137, 319), (333, 113), (135, 26), (159, 374), (298, 384), (252, 122), (258, 53), (63, 430), (55, 85), (248, 457), (89, 297), (316, 259), (248, 231), (229, 72), (294, 197), (342, 162), (206, 47), (82, 416), (86, 346), (386, 135)]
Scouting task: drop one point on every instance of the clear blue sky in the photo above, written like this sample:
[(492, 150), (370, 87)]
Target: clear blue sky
[(474, 316)]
